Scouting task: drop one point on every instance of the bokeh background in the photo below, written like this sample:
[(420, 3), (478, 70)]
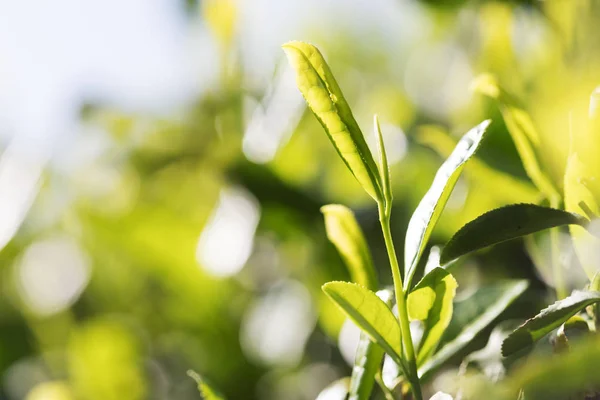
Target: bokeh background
[(161, 178)]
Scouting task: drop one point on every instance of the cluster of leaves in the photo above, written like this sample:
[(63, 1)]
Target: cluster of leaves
[(430, 303)]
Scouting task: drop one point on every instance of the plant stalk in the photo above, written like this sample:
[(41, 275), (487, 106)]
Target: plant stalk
[(409, 352)]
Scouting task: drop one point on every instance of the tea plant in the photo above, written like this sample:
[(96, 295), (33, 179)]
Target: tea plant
[(430, 300)]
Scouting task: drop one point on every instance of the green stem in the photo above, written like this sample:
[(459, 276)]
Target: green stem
[(412, 374)]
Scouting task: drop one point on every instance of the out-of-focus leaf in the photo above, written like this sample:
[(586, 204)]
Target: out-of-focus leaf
[(441, 396), (325, 99), (504, 224), (337, 390), (384, 169), (547, 320), (369, 313), (431, 206), (345, 233), (207, 391), (431, 301), (490, 307), (571, 375), (522, 130), (499, 185), (579, 199), (367, 363)]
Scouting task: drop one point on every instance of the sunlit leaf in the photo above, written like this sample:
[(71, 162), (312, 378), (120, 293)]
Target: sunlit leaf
[(522, 130), (337, 390), (325, 99), (430, 209), (369, 313), (206, 390), (499, 185), (547, 320), (431, 302), (345, 233), (504, 224), (384, 169), (580, 199), (490, 308), (367, 363)]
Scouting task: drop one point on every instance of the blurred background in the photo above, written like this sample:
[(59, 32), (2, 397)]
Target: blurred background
[(161, 178)]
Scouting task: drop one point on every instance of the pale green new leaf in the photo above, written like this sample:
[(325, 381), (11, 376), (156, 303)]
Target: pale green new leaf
[(431, 302), (206, 390), (325, 99), (345, 233), (474, 314), (580, 199), (505, 223), (367, 362), (547, 320), (431, 206), (501, 186), (369, 313), (522, 130), (384, 169)]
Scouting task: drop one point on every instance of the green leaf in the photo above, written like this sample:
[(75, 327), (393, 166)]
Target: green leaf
[(430, 209), (481, 301), (431, 301), (547, 320), (369, 313), (580, 199), (345, 233), (504, 224), (207, 391), (367, 363), (325, 99), (384, 169), (522, 130), (500, 186)]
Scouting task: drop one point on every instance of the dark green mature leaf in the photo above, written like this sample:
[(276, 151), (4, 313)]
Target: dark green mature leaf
[(522, 130), (325, 99), (345, 233), (431, 301), (547, 320), (507, 293), (206, 390), (504, 224), (369, 313), (430, 209), (367, 362)]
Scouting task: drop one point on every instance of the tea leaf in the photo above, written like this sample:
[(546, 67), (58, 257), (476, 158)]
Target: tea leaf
[(580, 199), (431, 301), (367, 363), (547, 320), (499, 185), (504, 224), (521, 129), (430, 209), (345, 233), (369, 313), (490, 307), (206, 390), (384, 169), (325, 99)]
